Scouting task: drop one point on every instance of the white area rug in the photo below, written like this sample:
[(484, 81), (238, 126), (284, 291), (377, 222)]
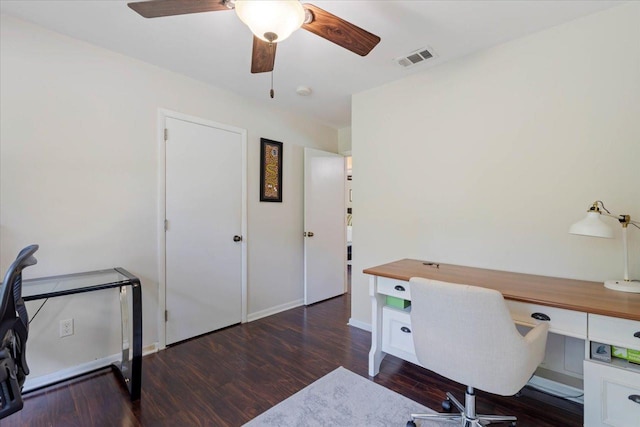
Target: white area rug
[(342, 398)]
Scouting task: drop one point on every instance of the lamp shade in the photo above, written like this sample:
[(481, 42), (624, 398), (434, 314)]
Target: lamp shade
[(266, 18), (593, 226)]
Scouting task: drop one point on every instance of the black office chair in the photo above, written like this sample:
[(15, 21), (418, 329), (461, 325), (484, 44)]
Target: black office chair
[(14, 329)]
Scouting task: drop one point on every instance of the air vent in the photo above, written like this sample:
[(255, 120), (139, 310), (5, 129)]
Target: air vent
[(415, 58)]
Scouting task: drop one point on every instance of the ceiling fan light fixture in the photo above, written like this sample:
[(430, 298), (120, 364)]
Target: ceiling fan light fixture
[(271, 20)]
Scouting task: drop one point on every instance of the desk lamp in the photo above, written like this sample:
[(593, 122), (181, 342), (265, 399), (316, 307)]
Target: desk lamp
[(593, 226)]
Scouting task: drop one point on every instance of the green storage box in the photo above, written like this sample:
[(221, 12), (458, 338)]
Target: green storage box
[(398, 302), (632, 356)]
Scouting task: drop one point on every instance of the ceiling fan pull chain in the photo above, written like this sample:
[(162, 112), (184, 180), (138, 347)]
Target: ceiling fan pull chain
[(271, 92)]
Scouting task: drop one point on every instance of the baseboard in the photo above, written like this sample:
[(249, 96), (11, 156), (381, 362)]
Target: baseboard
[(274, 310), (63, 374), (33, 383), (358, 324)]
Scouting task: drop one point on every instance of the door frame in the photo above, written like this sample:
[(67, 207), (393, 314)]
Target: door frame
[(163, 115)]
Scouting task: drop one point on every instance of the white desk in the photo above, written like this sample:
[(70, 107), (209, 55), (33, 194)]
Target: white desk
[(580, 309)]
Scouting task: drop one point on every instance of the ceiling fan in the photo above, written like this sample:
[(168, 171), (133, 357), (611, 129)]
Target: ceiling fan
[(271, 21)]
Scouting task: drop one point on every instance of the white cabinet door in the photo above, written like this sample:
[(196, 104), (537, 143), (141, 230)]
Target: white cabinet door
[(397, 338), (611, 396)]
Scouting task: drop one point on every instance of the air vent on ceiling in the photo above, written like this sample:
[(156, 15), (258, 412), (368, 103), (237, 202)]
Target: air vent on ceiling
[(415, 58)]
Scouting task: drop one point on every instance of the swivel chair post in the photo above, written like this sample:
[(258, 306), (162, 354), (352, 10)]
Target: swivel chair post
[(470, 404)]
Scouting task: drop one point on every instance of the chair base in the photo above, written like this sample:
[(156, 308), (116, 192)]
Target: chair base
[(466, 417)]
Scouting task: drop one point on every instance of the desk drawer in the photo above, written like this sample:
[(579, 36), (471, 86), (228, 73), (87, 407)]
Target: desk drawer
[(563, 322), (393, 287), (615, 331), (397, 338)]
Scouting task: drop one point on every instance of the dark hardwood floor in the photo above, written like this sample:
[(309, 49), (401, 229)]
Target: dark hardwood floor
[(230, 376)]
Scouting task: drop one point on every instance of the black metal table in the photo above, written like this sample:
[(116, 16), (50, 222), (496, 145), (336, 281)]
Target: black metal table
[(129, 368)]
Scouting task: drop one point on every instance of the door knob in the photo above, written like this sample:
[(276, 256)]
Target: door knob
[(308, 234), (237, 238)]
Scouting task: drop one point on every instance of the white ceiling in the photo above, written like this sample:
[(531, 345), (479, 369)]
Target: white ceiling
[(215, 47)]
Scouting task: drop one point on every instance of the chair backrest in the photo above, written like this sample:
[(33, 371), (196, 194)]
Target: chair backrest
[(14, 331), (466, 333)]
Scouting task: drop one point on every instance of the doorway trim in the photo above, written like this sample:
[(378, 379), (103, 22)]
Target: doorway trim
[(164, 114)]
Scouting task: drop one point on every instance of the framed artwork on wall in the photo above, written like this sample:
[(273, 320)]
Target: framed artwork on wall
[(270, 170)]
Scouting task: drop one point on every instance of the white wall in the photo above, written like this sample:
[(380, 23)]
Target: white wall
[(487, 160), (79, 176), (344, 140)]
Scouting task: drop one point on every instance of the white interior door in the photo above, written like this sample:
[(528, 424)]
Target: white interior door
[(204, 211), (324, 225)]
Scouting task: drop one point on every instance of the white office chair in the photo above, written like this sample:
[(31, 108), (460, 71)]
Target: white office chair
[(465, 333)]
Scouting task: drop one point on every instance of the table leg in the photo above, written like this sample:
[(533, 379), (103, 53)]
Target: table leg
[(130, 368), (377, 302)]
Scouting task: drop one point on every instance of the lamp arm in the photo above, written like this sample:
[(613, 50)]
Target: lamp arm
[(622, 219)]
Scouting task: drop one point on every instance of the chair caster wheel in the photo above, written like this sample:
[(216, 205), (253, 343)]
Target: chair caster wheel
[(446, 405), (411, 424)]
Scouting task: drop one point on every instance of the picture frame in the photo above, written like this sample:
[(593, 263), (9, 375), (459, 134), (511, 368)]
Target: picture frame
[(270, 170)]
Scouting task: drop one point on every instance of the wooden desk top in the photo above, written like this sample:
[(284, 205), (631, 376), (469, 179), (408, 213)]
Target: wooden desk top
[(577, 295)]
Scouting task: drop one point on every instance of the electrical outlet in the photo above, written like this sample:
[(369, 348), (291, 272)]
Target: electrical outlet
[(66, 327)]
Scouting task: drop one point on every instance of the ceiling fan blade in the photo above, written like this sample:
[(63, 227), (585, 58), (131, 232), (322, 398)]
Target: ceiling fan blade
[(339, 31), (263, 56), (158, 8)]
